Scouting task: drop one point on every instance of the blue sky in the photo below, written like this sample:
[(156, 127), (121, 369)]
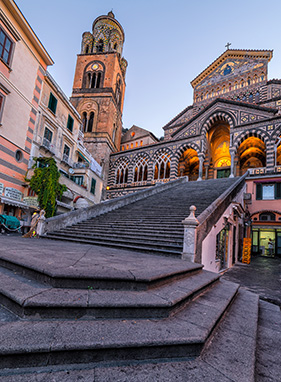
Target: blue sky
[(167, 44)]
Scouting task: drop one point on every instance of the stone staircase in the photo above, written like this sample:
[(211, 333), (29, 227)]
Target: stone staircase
[(153, 224), (67, 306)]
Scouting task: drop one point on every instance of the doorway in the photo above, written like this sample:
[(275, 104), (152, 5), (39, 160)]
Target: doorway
[(266, 242)]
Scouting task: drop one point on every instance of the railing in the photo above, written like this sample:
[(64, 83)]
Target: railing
[(81, 165), (65, 159), (256, 171), (47, 145)]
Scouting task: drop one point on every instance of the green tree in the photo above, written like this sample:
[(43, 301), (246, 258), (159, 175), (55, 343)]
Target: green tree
[(45, 183)]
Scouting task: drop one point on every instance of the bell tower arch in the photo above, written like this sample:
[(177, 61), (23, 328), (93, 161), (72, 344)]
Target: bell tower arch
[(99, 87)]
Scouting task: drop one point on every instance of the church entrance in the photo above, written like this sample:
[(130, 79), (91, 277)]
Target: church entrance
[(218, 156), (251, 154), (189, 164)]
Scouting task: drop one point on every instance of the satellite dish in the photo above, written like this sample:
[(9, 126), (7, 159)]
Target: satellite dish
[(71, 171)]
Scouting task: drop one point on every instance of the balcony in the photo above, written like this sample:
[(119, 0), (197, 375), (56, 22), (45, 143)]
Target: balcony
[(80, 165), (65, 159), (48, 146)]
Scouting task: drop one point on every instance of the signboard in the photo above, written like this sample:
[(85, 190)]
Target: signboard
[(13, 193), (31, 201), (1, 188), (247, 246)]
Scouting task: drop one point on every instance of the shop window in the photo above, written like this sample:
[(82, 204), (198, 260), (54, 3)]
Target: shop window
[(70, 123), (93, 186), (268, 191), (52, 103), (6, 47)]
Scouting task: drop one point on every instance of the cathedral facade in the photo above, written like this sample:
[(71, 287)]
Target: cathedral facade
[(233, 125)]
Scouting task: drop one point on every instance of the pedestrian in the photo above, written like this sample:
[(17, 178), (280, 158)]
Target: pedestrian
[(270, 247)]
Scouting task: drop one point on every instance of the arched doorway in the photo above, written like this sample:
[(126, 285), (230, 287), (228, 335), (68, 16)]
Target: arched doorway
[(218, 156), (189, 164), (251, 154)]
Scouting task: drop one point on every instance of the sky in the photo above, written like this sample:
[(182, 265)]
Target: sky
[(167, 44)]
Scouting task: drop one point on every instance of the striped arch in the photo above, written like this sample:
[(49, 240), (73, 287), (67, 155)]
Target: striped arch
[(140, 166), (184, 147), (211, 120), (250, 133), (163, 150), (121, 170), (162, 164), (139, 156), (276, 134)]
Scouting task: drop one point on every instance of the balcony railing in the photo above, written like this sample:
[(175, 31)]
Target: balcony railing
[(65, 159), (81, 165), (257, 171), (48, 146)]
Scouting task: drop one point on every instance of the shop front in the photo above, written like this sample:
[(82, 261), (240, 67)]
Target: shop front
[(266, 241)]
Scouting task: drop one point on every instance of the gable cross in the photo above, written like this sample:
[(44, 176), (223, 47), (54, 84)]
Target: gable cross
[(228, 45)]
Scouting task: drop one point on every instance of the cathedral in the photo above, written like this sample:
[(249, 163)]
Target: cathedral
[(232, 126)]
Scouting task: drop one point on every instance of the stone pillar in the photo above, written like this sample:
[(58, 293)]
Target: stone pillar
[(190, 231), (232, 154), (174, 169), (201, 160), (206, 171), (150, 171)]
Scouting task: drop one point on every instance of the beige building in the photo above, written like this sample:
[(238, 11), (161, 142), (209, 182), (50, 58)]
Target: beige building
[(23, 62), (58, 134)]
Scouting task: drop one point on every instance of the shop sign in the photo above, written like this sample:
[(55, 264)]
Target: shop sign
[(13, 193), (1, 188), (31, 201)]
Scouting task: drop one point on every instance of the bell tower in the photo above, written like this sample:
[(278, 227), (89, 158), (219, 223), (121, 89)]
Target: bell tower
[(99, 87)]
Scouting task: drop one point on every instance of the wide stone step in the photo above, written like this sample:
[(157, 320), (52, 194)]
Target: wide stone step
[(153, 248), (98, 267), (129, 231), (140, 238), (28, 298), (56, 342), (132, 228)]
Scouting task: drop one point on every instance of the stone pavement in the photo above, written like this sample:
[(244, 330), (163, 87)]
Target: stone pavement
[(261, 276)]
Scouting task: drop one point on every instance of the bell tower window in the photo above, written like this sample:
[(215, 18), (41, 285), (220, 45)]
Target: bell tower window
[(84, 121), (100, 46), (91, 122)]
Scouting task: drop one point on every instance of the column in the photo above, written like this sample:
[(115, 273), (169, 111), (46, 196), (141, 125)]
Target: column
[(201, 161), (190, 232), (232, 154)]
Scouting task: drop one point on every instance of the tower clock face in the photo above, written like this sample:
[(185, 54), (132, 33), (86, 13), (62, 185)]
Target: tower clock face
[(95, 66)]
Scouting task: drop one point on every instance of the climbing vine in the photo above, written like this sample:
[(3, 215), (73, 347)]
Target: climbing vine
[(45, 183)]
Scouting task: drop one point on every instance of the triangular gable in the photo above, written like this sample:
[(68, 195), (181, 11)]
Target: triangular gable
[(232, 63)]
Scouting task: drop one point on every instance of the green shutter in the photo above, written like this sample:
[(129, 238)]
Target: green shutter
[(93, 186), (259, 192), (52, 103), (277, 190), (70, 122)]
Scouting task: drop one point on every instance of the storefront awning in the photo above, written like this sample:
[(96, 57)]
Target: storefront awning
[(13, 202)]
